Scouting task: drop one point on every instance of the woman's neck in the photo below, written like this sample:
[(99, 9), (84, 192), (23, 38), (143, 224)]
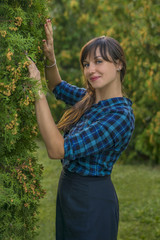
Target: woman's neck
[(108, 92)]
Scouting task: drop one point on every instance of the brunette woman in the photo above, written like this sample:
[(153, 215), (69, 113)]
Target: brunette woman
[(97, 128)]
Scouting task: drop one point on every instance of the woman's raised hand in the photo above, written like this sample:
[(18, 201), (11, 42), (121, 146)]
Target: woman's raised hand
[(48, 42), (33, 70)]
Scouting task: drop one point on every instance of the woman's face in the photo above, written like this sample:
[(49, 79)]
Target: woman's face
[(98, 72)]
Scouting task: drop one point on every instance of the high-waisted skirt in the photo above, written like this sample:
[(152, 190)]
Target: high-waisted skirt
[(87, 208)]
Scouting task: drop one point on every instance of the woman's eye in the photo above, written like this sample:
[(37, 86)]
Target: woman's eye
[(85, 65), (99, 61)]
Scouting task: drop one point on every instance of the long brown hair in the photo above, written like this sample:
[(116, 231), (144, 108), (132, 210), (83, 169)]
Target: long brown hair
[(109, 47)]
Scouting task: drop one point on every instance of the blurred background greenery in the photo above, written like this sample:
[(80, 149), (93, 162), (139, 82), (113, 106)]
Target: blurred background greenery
[(135, 24)]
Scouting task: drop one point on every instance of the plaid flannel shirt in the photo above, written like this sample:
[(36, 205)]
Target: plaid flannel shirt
[(97, 140)]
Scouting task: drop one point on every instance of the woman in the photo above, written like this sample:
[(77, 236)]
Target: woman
[(97, 128)]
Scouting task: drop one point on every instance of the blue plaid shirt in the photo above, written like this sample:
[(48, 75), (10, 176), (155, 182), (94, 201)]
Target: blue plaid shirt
[(97, 140)]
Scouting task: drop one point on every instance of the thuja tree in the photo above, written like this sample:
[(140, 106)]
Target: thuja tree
[(21, 31)]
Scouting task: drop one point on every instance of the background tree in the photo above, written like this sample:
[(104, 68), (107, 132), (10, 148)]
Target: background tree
[(135, 24)]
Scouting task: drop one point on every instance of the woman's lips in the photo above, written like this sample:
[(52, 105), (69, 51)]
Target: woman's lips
[(94, 78)]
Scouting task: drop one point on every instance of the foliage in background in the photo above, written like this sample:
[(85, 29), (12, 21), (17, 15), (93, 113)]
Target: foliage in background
[(21, 30), (135, 24)]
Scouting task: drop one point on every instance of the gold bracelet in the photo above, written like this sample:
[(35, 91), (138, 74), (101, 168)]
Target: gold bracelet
[(54, 64)]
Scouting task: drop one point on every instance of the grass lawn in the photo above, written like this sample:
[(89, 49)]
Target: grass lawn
[(138, 190)]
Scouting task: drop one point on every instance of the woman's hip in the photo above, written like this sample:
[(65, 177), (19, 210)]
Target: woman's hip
[(88, 207)]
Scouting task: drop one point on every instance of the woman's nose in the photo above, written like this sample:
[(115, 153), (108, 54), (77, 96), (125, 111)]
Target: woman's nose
[(91, 68)]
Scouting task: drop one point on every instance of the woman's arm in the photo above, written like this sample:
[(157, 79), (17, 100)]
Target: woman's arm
[(68, 93), (51, 73), (52, 137)]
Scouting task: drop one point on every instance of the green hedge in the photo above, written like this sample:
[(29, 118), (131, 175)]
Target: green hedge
[(21, 31)]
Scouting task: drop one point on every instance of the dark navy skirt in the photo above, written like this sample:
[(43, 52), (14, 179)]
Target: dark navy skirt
[(87, 208)]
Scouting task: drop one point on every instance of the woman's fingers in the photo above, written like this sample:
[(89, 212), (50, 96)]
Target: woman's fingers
[(48, 42), (49, 25), (49, 38), (48, 31), (45, 47), (33, 70), (30, 62)]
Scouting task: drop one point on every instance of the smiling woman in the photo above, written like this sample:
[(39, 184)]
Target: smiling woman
[(106, 54), (97, 128), (104, 76)]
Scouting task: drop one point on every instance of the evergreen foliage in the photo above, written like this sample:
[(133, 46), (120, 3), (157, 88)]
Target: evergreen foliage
[(21, 31), (135, 24)]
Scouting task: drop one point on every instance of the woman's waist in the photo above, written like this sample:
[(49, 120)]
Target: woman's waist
[(95, 166), (82, 176)]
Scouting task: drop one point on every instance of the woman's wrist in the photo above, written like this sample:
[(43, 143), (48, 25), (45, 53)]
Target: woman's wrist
[(51, 65), (50, 62), (40, 95)]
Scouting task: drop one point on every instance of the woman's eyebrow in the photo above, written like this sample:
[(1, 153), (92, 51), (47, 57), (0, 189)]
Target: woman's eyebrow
[(98, 57), (94, 58)]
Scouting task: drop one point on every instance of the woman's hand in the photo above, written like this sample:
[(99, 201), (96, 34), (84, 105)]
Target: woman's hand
[(33, 71), (48, 42)]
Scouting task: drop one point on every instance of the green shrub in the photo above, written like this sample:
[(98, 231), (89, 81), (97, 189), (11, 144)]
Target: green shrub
[(21, 31)]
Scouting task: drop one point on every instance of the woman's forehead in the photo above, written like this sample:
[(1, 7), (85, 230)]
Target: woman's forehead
[(93, 53)]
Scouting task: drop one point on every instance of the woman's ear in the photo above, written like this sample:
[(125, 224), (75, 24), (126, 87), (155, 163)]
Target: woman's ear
[(119, 65)]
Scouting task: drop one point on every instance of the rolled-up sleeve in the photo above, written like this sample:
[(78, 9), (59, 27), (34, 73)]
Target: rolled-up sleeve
[(68, 93), (111, 132)]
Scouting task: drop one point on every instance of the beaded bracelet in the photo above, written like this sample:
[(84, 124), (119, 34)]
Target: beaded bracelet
[(54, 64)]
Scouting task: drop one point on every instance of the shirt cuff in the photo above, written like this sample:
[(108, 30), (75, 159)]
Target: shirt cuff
[(68, 150), (57, 90)]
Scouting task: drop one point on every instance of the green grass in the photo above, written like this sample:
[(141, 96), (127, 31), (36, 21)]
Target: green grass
[(138, 190)]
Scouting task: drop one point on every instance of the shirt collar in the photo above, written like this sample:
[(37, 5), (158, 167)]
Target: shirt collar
[(114, 101)]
